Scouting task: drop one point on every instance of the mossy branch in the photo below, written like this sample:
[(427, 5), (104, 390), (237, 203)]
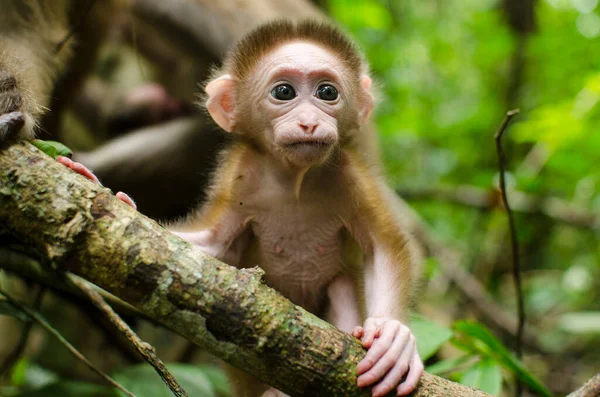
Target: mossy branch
[(82, 228)]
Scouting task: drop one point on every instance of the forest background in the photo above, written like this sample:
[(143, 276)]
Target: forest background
[(447, 72)]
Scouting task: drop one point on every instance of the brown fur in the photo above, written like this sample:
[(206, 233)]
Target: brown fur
[(336, 246), (243, 58), (269, 36), (37, 40)]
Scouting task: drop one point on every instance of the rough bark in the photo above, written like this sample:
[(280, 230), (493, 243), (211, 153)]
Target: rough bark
[(231, 313), (591, 388)]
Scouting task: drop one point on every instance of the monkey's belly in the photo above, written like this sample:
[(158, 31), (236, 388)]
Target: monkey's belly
[(299, 260)]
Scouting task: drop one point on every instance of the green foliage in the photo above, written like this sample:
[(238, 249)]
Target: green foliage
[(485, 375), (474, 338), (142, 380), (430, 336), (483, 360), (32, 380), (32, 376), (65, 388), (53, 148)]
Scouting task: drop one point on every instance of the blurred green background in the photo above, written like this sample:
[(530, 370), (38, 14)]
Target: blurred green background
[(448, 71)]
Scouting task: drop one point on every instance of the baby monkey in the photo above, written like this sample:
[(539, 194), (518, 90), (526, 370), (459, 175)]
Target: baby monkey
[(299, 192)]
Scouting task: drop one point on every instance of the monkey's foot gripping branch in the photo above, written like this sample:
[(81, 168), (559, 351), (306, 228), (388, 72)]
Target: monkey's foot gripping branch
[(81, 227)]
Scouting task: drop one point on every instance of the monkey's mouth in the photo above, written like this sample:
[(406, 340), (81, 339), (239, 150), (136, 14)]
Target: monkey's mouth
[(307, 152), (308, 144)]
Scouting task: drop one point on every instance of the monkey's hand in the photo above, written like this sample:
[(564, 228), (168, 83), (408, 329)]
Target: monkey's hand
[(13, 121), (392, 360), (83, 170)]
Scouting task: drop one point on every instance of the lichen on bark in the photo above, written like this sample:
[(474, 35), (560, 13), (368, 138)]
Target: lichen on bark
[(83, 228)]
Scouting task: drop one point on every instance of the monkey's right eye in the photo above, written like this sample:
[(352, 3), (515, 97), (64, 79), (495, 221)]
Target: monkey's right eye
[(283, 92)]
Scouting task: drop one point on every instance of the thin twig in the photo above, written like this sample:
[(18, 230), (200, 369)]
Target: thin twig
[(35, 316), (513, 239), (591, 388), (17, 352), (145, 349)]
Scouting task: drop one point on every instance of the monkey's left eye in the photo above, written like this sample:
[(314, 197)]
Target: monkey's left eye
[(327, 92), (283, 92)]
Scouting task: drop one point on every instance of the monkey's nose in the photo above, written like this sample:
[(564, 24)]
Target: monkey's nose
[(308, 128)]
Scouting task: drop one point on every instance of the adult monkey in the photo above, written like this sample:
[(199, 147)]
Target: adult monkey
[(47, 47), (37, 42), (299, 193)]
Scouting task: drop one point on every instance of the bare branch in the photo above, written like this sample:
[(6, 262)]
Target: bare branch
[(513, 238), (591, 388), (145, 349)]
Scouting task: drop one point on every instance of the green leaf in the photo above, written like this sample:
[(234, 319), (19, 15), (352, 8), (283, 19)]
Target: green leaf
[(18, 375), (8, 309), (32, 376), (69, 389), (217, 379), (142, 380), (485, 376), (449, 365), (475, 338), (430, 336), (53, 148)]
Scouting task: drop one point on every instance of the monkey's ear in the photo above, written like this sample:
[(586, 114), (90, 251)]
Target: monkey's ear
[(221, 102), (366, 103)]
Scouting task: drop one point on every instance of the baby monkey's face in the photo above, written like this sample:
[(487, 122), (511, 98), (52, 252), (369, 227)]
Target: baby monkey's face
[(299, 88)]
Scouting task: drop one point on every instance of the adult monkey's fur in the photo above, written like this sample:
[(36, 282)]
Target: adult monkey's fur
[(46, 48)]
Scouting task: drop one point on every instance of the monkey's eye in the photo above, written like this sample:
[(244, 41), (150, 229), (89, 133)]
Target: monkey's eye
[(327, 92), (283, 92)]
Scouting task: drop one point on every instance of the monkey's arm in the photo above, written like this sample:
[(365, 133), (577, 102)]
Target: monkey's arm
[(30, 60), (218, 226), (218, 239), (390, 268), (343, 304)]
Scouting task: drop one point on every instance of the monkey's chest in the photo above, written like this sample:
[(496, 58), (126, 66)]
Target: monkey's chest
[(300, 256)]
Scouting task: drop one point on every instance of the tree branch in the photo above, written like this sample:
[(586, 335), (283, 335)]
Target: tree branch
[(83, 228), (591, 388), (146, 350), (516, 270)]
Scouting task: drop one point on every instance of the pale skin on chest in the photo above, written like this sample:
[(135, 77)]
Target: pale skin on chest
[(300, 195), (297, 241)]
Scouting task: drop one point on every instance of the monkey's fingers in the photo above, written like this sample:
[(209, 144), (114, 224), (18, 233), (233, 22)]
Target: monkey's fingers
[(389, 369), (358, 332), (79, 168), (369, 331), (400, 368), (10, 125), (391, 380), (124, 197), (378, 348), (414, 374)]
